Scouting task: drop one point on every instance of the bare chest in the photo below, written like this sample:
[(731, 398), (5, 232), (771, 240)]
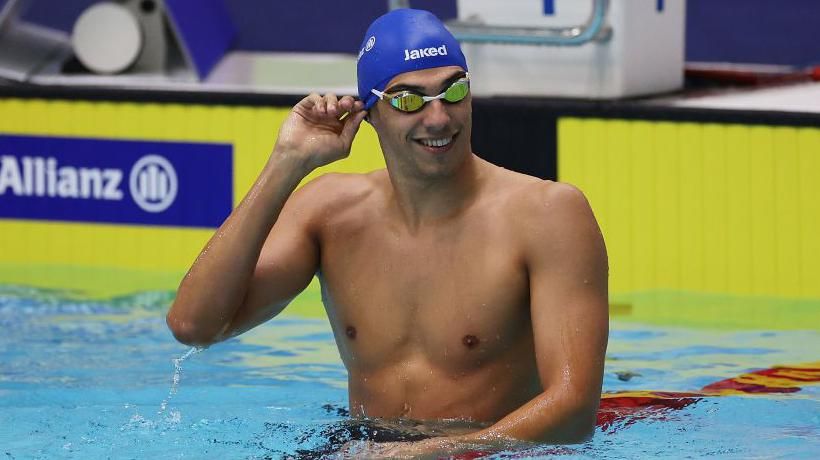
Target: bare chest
[(456, 301)]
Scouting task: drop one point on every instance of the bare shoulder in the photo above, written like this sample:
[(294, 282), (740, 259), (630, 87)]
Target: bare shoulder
[(527, 197), (338, 186), (334, 194), (548, 198), (549, 203), (549, 215)]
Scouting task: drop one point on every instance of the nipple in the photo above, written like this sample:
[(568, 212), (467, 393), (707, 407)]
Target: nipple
[(350, 332), (470, 341)]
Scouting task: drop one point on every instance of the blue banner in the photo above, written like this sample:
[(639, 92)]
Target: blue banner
[(115, 181)]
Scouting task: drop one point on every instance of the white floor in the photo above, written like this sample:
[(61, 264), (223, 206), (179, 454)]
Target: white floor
[(800, 97)]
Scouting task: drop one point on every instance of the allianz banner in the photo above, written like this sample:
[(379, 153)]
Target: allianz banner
[(115, 181)]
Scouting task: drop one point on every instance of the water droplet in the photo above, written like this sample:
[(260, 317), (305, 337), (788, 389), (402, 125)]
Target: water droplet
[(176, 378)]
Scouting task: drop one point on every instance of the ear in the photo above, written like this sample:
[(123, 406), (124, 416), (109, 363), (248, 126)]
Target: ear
[(371, 112)]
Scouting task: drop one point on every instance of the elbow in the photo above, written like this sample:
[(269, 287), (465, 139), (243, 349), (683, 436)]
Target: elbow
[(580, 423), (576, 422), (188, 332), (579, 434)]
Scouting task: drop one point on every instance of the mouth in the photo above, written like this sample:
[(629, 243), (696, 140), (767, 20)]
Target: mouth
[(438, 144)]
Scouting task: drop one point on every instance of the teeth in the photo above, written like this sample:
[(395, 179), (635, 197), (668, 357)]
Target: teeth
[(436, 142)]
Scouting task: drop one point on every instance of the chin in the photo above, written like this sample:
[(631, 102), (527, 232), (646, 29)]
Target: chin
[(443, 166)]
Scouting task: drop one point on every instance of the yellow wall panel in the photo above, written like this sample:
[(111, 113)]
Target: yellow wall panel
[(691, 222), (614, 144), (642, 195), (808, 147), (667, 192), (764, 212), (786, 196), (708, 208), (738, 210), (715, 204)]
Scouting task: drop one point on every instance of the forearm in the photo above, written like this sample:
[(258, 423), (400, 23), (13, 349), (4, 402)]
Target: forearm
[(216, 284), (560, 417), (552, 417)]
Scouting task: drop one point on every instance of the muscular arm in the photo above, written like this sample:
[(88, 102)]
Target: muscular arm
[(567, 264), (264, 254)]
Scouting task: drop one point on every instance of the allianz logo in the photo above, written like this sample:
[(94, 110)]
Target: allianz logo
[(152, 181)]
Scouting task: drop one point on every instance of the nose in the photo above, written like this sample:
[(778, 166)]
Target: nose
[(436, 116)]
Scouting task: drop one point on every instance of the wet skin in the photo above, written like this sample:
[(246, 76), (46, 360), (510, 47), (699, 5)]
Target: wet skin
[(455, 288), (430, 323)]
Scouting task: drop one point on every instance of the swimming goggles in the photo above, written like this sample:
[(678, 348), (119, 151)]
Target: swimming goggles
[(408, 101)]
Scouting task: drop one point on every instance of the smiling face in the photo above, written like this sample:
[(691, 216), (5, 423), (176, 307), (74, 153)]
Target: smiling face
[(432, 141)]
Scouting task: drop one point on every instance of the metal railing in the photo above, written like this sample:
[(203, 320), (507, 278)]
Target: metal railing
[(593, 30)]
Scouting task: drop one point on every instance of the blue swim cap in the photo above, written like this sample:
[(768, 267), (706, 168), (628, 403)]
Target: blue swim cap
[(402, 41)]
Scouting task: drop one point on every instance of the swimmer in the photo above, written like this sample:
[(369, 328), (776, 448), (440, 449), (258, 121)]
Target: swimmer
[(455, 289)]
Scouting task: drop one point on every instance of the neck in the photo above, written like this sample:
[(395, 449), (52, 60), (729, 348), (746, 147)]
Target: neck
[(424, 201)]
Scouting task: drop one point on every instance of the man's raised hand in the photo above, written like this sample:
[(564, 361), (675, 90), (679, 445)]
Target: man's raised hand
[(320, 129)]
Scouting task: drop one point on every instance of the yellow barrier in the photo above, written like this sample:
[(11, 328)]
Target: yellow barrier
[(715, 219)]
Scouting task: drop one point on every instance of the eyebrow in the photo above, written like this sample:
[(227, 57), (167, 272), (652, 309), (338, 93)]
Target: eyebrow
[(420, 89)]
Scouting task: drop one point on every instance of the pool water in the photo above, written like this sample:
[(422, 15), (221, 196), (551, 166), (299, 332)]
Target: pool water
[(95, 379)]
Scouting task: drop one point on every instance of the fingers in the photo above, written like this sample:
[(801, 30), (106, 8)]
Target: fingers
[(333, 106), (309, 102), (319, 105), (329, 105), (348, 105), (351, 125)]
